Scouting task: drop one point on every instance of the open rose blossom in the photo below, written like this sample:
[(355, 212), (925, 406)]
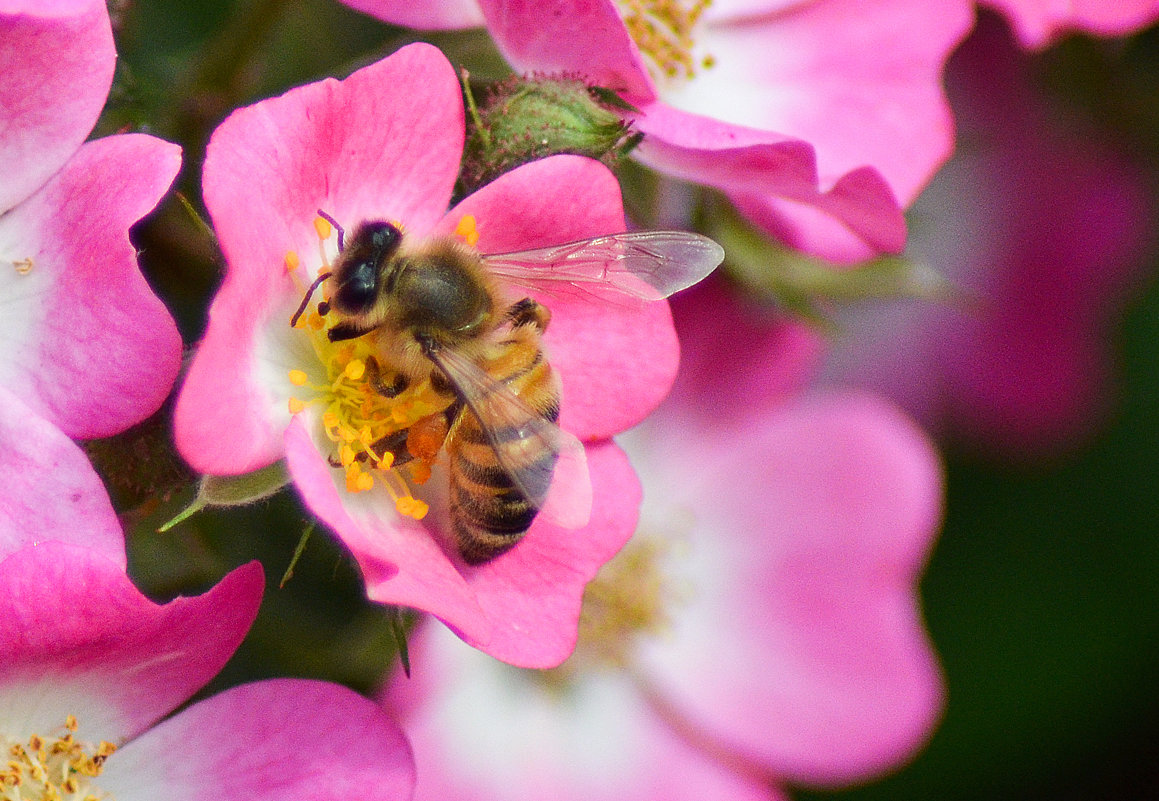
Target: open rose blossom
[(384, 144), (1041, 223), (85, 342), (819, 118), (762, 628), (90, 665), (1040, 22)]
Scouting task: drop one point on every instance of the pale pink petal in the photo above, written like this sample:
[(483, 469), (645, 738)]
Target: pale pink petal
[(56, 66), (275, 739), (861, 84), (1039, 22), (616, 361), (50, 491), (752, 164), (78, 638), (86, 342), (426, 16), (581, 37), (484, 731), (521, 607), (811, 529), (382, 144)]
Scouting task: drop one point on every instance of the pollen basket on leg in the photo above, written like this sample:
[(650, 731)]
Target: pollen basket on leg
[(58, 766), (663, 30)]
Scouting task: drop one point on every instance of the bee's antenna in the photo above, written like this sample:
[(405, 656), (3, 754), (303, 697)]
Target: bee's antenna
[(337, 227), (309, 294)]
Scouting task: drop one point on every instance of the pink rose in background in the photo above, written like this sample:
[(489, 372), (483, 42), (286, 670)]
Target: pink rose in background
[(762, 627), (819, 119), (85, 654), (1041, 222), (85, 342), (1037, 23), (385, 144)]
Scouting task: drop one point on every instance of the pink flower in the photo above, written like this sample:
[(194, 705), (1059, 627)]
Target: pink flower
[(1041, 226), (85, 342), (762, 627), (89, 660), (818, 118), (1037, 23), (384, 144)]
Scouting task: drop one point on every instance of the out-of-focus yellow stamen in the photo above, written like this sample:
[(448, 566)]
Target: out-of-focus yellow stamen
[(663, 30), (292, 261), (323, 228)]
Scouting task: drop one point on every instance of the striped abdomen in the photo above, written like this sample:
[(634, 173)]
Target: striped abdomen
[(501, 465)]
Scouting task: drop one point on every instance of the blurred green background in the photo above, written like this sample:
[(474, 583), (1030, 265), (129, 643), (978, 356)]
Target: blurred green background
[(1042, 596)]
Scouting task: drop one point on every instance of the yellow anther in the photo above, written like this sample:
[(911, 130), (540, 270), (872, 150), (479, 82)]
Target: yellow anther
[(467, 231), (292, 261), (299, 378), (315, 321), (323, 228), (296, 405), (354, 369)]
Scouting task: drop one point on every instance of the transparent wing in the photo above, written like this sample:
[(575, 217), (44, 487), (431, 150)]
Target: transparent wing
[(642, 264), (519, 436)]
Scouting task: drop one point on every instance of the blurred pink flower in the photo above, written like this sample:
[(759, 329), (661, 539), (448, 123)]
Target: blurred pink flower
[(819, 118), (85, 651), (1037, 23), (85, 342), (1041, 222), (765, 627), (384, 144)]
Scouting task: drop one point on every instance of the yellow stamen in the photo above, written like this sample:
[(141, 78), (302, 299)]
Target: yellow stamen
[(57, 768), (323, 228), (467, 231), (292, 261), (299, 378), (663, 30)]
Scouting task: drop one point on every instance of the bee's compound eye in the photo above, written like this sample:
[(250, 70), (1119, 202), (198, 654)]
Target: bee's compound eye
[(383, 236), (358, 289)]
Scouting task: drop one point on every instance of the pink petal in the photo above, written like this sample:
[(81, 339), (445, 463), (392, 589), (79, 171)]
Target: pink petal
[(435, 16), (616, 361), (88, 344), (50, 491), (861, 84), (730, 345), (751, 164), (484, 731), (521, 607), (1052, 246), (79, 639), (382, 144), (1039, 22), (56, 66), (275, 739), (584, 37), (811, 529)]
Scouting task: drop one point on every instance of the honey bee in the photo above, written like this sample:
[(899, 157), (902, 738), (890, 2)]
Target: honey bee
[(438, 310)]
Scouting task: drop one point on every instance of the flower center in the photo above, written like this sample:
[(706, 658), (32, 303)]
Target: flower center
[(52, 768), (631, 596), (366, 421), (663, 30)]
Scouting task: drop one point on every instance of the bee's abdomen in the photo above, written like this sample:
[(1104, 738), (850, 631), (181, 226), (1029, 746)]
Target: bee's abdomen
[(489, 514)]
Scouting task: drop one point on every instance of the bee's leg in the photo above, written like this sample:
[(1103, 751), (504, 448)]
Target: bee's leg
[(528, 312), (391, 389), (345, 330), (395, 445)]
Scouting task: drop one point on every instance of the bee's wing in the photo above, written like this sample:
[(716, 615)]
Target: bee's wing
[(643, 264), (555, 479)]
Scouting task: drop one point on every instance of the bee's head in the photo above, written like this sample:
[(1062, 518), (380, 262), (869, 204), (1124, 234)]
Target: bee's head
[(358, 273)]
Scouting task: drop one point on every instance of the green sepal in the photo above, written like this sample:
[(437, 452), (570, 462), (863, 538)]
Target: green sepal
[(234, 490)]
